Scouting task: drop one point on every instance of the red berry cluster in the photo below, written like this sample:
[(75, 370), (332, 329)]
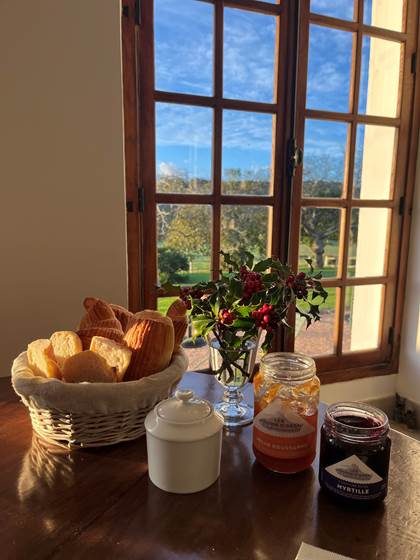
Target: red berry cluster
[(226, 317), (265, 317), (252, 282), (187, 294), (298, 284)]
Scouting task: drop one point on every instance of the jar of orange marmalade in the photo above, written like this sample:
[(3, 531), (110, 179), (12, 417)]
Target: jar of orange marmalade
[(286, 412)]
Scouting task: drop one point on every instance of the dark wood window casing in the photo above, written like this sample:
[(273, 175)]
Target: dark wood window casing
[(285, 197)]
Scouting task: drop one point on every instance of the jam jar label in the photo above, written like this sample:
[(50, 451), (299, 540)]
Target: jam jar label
[(352, 478), (281, 432)]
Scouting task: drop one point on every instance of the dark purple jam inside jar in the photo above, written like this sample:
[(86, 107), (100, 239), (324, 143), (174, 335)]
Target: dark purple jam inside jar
[(355, 449)]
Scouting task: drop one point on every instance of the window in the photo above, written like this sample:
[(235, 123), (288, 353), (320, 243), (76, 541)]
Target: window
[(223, 87), (353, 104)]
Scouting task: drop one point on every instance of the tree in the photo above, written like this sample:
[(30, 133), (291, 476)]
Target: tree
[(190, 230), (171, 262), (188, 227), (245, 228), (320, 225)]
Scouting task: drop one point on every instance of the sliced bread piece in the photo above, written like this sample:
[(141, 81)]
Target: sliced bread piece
[(88, 366), (41, 359), (116, 355), (65, 344)]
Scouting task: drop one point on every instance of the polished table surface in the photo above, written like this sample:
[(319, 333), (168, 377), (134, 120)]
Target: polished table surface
[(100, 504)]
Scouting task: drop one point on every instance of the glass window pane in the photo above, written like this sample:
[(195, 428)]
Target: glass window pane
[(384, 13), (380, 77), (245, 228), (324, 158), (343, 9), (319, 239), (318, 339), (374, 161), (184, 46), (368, 241), (184, 243), (248, 63), (330, 52), (362, 318), (183, 148), (246, 156)]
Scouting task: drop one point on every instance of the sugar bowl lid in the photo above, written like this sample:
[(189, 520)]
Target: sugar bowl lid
[(184, 417)]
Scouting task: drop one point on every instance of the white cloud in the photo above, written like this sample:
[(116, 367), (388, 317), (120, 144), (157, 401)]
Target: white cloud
[(169, 169), (249, 46)]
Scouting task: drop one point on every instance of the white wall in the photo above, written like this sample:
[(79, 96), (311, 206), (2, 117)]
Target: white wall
[(62, 209), (408, 382), (364, 389)]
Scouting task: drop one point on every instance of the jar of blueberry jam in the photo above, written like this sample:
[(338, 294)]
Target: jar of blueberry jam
[(355, 449)]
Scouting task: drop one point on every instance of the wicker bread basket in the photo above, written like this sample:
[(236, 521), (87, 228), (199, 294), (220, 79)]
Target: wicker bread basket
[(76, 415)]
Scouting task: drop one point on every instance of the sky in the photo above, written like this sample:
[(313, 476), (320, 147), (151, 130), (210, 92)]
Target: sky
[(183, 63)]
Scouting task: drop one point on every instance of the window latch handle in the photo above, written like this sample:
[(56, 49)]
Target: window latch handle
[(295, 156)]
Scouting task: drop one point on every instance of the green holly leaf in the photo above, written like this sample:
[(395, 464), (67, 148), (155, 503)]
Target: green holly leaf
[(243, 324), (263, 265)]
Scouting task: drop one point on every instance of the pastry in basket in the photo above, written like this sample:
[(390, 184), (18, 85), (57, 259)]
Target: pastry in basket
[(65, 344), (41, 359), (178, 314), (88, 366), (116, 355), (99, 314), (150, 336), (122, 314), (86, 335)]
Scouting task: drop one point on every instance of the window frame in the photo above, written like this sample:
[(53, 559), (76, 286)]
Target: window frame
[(141, 196), (384, 359)]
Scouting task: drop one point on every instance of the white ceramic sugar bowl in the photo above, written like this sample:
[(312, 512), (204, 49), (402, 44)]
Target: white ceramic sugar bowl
[(184, 443)]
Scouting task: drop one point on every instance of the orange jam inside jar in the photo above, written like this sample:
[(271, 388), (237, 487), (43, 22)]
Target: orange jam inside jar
[(286, 412)]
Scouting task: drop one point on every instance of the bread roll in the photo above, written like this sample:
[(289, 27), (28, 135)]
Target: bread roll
[(180, 324), (88, 302), (151, 338), (86, 335), (99, 314), (116, 355), (65, 344), (41, 359), (88, 366), (178, 313), (177, 309), (122, 314)]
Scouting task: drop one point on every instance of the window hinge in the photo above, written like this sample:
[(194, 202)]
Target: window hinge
[(391, 336), (140, 199), (413, 62), (137, 12), (294, 155), (401, 206), (126, 12)]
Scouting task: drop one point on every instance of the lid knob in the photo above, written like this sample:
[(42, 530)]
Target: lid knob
[(184, 396)]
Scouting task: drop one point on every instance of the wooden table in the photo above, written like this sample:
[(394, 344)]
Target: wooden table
[(100, 504)]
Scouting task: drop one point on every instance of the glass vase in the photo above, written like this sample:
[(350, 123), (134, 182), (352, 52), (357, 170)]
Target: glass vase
[(240, 365)]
